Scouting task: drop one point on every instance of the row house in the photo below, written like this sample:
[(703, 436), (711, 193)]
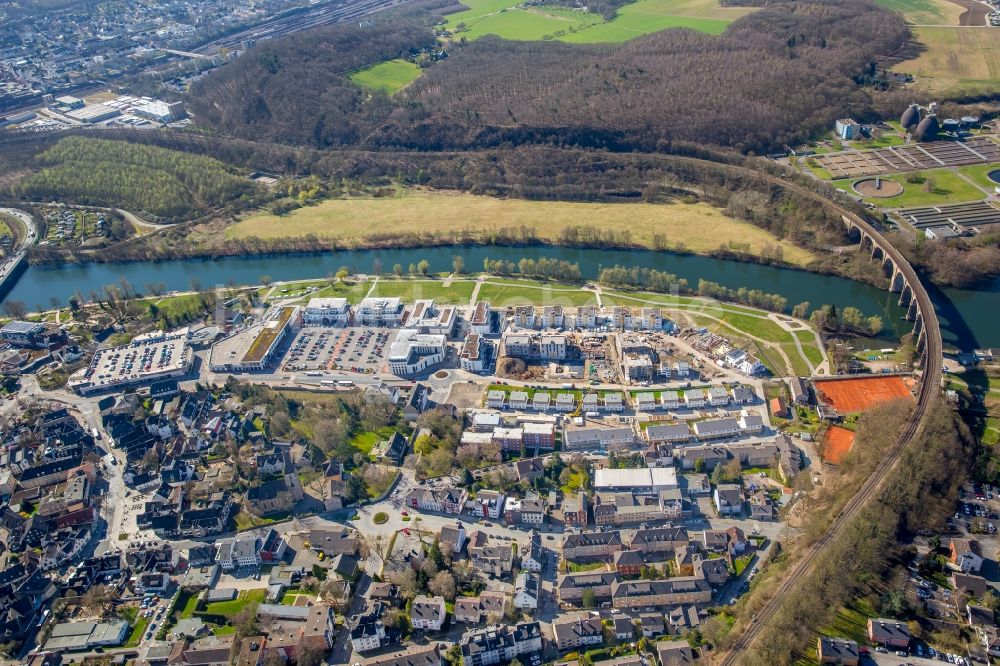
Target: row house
[(660, 540), (570, 587), (670, 592), (592, 545)]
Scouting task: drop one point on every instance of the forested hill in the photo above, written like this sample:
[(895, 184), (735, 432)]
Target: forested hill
[(774, 77), (296, 90)]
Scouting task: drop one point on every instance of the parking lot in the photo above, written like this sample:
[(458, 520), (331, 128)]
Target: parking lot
[(353, 349)]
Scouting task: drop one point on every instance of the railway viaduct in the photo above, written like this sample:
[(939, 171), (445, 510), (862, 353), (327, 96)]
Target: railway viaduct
[(902, 278)]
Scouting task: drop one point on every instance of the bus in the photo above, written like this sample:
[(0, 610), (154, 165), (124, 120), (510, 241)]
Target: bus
[(327, 382), (344, 383)]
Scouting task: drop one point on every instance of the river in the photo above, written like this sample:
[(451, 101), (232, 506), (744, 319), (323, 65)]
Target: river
[(968, 318)]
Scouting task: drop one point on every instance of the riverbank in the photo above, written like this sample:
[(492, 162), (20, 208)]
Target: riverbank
[(699, 228), (966, 316)]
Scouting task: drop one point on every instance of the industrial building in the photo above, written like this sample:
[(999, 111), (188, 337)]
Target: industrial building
[(645, 481)]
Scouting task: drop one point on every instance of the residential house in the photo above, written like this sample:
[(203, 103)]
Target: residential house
[(570, 587), (888, 632), (728, 499), (592, 545), (966, 555), (674, 653), (527, 590), (574, 508), (479, 609), (575, 632), (428, 613)]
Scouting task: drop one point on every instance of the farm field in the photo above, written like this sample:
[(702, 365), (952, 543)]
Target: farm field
[(390, 77), (700, 227), (510, 20), (949, 188), (458, 292), (958, 61), (925, 12)]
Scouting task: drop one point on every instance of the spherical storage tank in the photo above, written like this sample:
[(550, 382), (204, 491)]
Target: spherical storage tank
[(910, 117), (927, 129)]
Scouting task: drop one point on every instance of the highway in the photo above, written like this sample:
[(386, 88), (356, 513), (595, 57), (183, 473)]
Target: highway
[(11, 264)]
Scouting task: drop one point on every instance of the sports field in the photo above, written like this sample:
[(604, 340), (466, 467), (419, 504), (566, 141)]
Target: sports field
[(390, 77), (956, 61), (837, 443), (860, 394), (512, 20), (700, 227)]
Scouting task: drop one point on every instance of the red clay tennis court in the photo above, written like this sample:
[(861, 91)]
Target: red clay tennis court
[(859, 394), (837, 443)]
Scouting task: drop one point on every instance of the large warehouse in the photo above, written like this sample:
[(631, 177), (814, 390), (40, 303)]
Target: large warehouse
[(645, 481)]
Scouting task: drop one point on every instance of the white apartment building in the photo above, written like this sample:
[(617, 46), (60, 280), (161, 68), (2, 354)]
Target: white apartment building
[(327, 312), (412, 352), (379, 311)]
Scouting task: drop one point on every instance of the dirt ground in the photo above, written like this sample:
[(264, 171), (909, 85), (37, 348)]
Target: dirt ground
[(862, 393)]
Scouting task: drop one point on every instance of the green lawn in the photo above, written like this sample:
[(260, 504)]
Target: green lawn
[(390, 77), (977, 172), (138, 631), (991, 435), (809, 346), (366, 441), (575, 567), (527, 292), (185, 306), (949, 187), (512, 20), (352, 291), (230, 608), (799, 365), (457, 293), (190, 603), (575, 483)]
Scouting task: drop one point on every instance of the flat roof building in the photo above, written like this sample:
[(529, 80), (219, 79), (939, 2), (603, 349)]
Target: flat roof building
[(645, 481), (147, 359), (327, 312)]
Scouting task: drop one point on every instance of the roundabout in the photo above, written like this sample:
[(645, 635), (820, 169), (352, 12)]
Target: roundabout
[(877, 188)]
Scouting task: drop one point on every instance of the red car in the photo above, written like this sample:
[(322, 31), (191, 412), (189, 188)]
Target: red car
[(404, 513)]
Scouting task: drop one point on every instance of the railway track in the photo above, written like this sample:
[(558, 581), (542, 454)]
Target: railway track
[(929, 389)]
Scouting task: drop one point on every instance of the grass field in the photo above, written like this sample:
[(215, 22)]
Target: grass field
[(977, 172), (458, 292), (510, 20), (138, 629), (390, 77), (958, 61), (699, 227), (527, 293), (949, 188), (230, 608), (925, 12), (352, 291), (365, 441)]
